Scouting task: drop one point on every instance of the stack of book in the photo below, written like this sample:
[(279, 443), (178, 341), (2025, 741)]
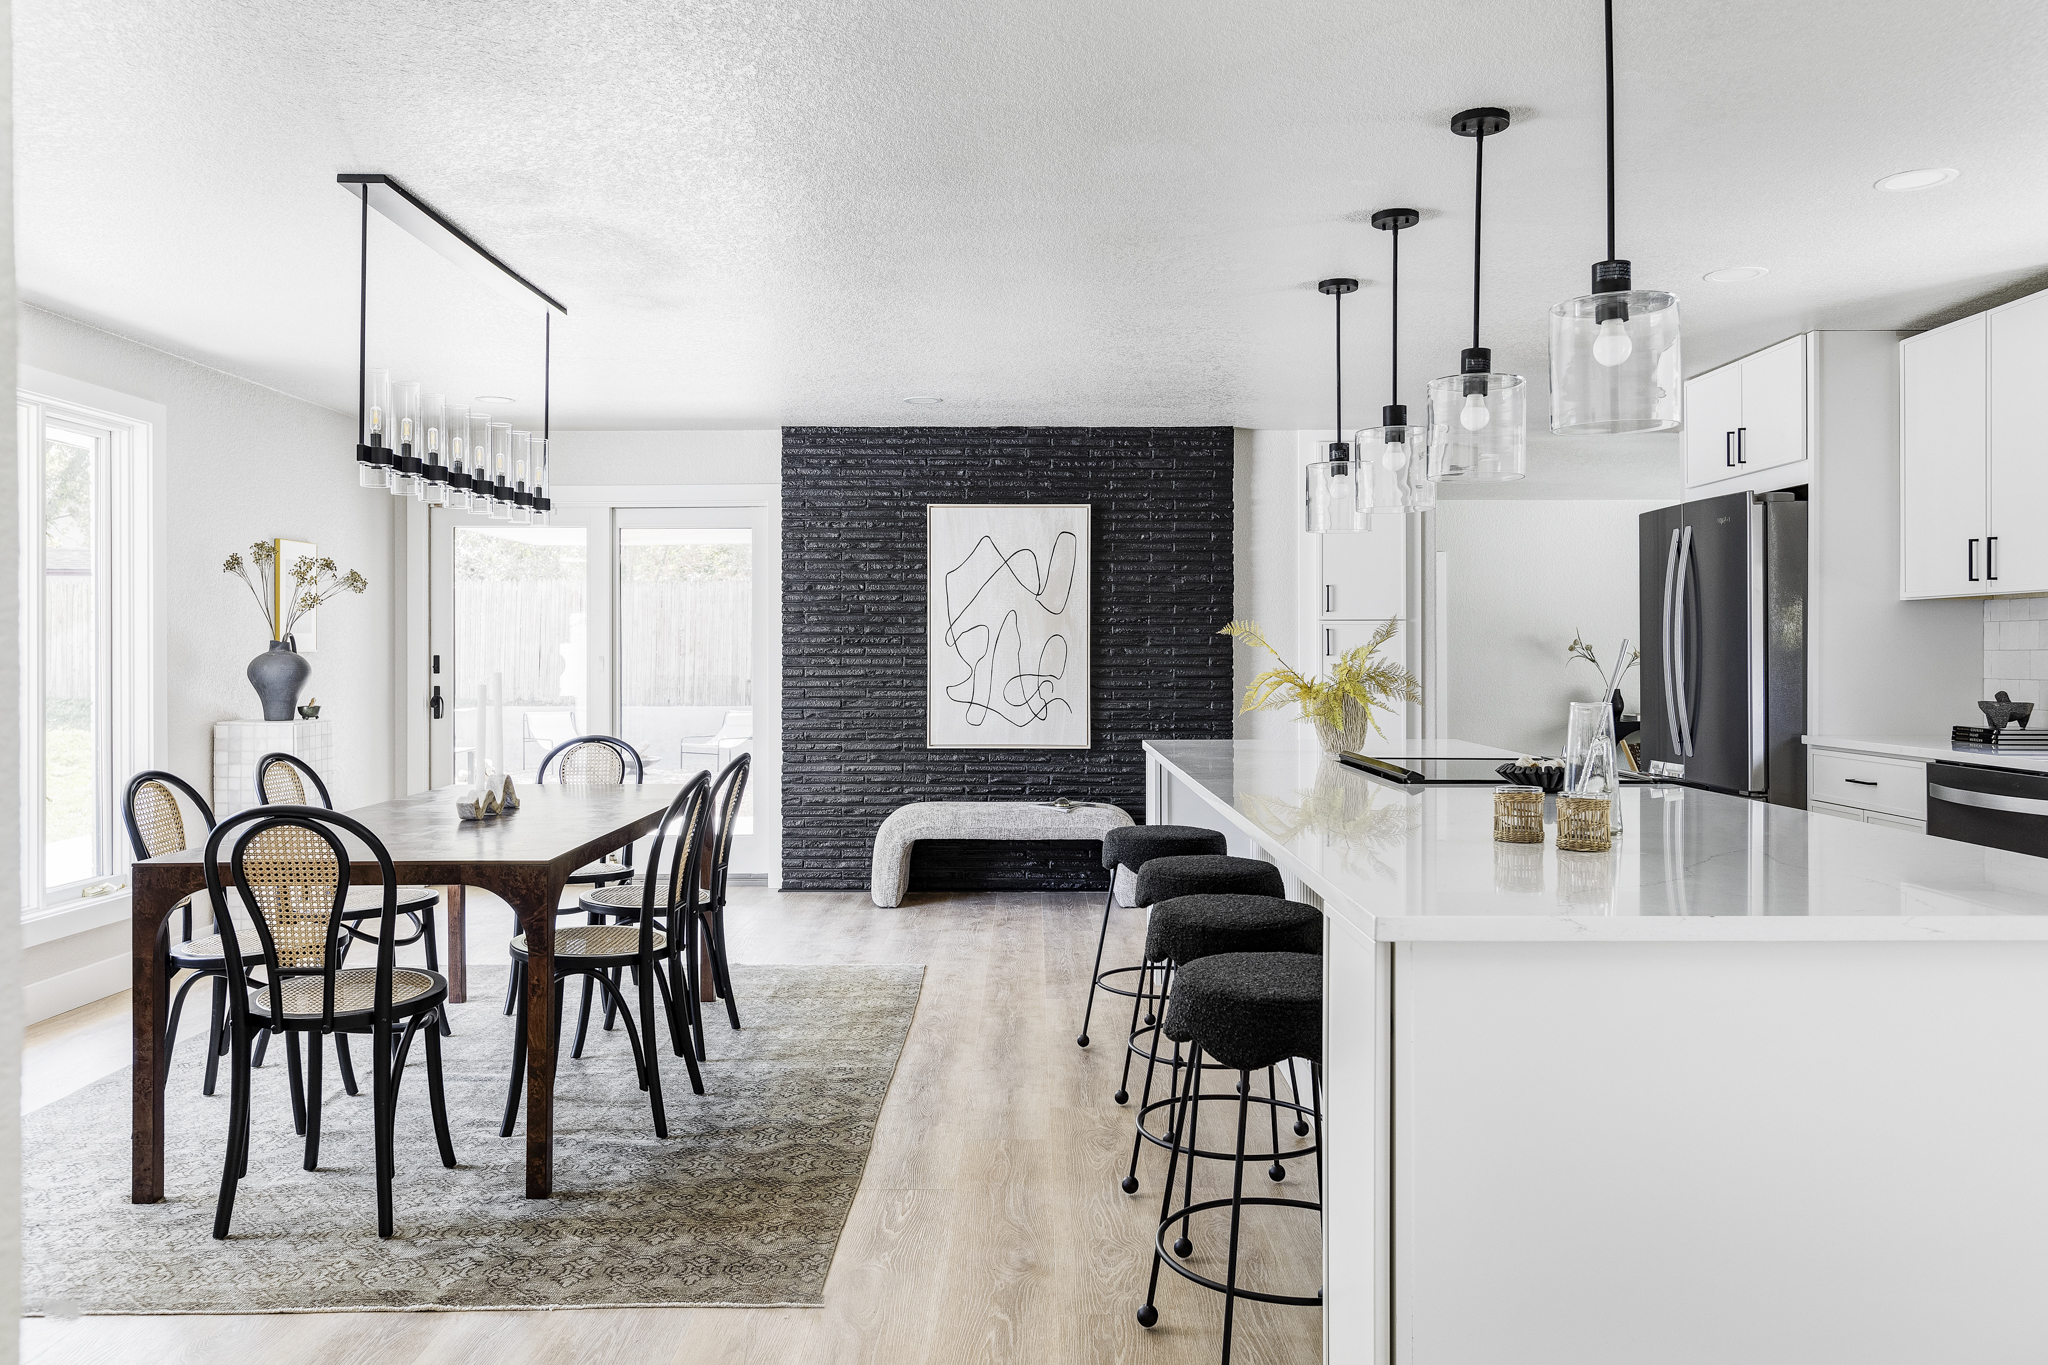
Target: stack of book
[(2010, 737)]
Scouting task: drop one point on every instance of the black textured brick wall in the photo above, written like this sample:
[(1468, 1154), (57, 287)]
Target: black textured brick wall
[(853, 633)]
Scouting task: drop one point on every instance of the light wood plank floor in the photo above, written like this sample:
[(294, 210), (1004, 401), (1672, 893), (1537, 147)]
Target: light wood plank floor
[(989, 1226)]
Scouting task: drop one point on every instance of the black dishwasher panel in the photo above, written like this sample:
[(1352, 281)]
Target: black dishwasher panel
[(1994, 807)]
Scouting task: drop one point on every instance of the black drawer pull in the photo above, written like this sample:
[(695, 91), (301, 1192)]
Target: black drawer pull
[(1860, 781)]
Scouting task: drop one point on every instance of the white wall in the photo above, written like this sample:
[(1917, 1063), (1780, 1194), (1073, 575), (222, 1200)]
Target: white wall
[(243, 463), (1266, 533), (10, 752), (1521, 577)]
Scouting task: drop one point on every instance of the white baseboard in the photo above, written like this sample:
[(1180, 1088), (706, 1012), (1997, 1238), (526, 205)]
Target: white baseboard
[(46, 999)]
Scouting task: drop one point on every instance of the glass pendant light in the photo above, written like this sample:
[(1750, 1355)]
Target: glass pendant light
[(373, 452), (1478, 420), (1400, 451), (1339, 492), (433, 485), (1614, 359), (458, 459), (405, 465)]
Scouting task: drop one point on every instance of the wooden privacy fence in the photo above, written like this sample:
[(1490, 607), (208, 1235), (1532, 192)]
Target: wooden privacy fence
[(681, 643)]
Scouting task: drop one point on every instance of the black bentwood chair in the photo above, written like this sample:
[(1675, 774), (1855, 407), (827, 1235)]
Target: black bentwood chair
[(281, 781), (155, 827), (621, 901), (602, 952), (591, 761), (291, 872)]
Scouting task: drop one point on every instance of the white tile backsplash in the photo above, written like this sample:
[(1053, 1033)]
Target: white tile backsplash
[(2016, 648)]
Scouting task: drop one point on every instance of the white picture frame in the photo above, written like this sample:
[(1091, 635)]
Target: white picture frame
[(1008, 626)]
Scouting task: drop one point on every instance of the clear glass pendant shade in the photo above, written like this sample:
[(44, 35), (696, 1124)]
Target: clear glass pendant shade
[(1614, 364), (1400, 458), (1478, 427), (1339, 492)]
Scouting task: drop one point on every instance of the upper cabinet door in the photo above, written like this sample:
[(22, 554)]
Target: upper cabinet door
[(2018, 501), (1713, 410), (1365, 573), (1773, 426), (1942, 464)]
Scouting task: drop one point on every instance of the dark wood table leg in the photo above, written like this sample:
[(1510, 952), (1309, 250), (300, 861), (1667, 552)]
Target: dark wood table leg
[(155, 892), (536, 906), (457, 951)]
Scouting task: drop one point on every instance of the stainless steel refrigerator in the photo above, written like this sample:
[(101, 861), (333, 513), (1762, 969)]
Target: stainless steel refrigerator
[(1723, 677)]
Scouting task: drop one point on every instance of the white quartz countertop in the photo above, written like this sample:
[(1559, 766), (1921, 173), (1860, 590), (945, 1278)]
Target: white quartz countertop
[(1420, 863), (1931, 749)]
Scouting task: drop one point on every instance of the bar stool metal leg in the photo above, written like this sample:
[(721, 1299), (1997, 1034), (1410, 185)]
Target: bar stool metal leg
[(1095, 973)]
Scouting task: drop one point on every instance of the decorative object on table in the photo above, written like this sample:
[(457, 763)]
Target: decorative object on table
[(1578, 651), (1544, 774), (1478, 420), (1517, 815), (1007, 633), (285, 594), (484, 800), (416, 449), (1585, 823), (311, 710), (509, 800), (2004, 711), (1338, 496), (1614, 353), (1394, 446), (1340, 706), (1589, 757)]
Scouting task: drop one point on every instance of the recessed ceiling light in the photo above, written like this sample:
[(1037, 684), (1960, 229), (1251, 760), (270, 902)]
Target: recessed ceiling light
[(923, 399), (1919, 180), (491, 398), (1735, 274)]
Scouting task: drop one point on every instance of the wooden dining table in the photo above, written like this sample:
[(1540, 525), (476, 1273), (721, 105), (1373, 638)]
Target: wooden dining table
[(524, 857)]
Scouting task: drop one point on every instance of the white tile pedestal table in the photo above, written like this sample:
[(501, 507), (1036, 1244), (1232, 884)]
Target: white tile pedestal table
[(1754, 1086)]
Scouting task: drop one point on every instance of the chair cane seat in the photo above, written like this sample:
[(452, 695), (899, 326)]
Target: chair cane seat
[(605, 869), (355, 992), (210, 950), (596, 940), (368, 900), (627, 896)]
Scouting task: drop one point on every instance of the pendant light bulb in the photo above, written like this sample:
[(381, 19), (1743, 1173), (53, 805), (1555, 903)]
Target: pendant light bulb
[(1474, 416), (1393, 445), (1611, 346), (1478, 417), (1613, 350), (1335, 498)]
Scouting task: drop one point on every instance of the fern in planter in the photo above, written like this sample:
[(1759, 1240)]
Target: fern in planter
[(1340, 706)]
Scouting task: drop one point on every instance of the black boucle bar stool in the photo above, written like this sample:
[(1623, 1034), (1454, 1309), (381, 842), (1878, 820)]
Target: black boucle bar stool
[(1247, 1011), (1189, 928), (1132, 847), (1164, 879)]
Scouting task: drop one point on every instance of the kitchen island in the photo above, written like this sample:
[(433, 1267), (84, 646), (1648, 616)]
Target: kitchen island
[(1753, 1086)]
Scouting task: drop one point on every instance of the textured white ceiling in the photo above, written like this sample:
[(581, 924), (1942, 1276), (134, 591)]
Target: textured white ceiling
[(1045, 211)]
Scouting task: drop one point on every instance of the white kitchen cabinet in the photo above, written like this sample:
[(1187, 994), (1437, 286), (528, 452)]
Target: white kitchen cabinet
[(1942, 461), (1364, 573), (2016, 511), (1747, 416)]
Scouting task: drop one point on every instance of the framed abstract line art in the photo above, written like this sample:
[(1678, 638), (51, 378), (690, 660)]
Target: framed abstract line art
[(1007, 626)]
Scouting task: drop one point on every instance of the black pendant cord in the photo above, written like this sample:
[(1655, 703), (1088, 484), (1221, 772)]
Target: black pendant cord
[(1478, 199), (1394, 337), (547, 360), (1610, 131), (1340, 366), (363, 334)]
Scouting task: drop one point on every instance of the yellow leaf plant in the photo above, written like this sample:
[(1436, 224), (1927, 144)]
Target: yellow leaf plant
[(1359, 678)]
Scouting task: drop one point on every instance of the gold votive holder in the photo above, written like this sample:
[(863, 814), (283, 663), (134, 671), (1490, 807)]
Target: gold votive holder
[(1518, 815), (1585, 824)]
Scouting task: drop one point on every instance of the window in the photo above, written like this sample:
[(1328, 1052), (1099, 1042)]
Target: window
[(86, 699)]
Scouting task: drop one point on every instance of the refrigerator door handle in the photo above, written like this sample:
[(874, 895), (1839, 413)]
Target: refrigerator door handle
[(1678, 644), (1670, 702), (1759, 711)]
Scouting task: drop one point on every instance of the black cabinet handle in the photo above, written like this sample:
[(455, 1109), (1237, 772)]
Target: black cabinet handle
[(1991, 559), (434, 704), (1742, 445), (1973, 559), (1728, 448), (1329, 599), (1859, 781)]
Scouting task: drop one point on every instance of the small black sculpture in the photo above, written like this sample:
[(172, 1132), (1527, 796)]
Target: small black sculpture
[(2004, 710)]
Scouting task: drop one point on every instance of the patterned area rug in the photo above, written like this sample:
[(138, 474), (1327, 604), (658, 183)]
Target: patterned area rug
[(741, 1205)]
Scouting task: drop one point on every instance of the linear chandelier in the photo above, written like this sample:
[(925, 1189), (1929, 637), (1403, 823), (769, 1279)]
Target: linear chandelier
[(420, 446)]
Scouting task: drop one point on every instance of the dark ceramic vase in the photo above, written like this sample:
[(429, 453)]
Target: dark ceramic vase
[(278, 676)]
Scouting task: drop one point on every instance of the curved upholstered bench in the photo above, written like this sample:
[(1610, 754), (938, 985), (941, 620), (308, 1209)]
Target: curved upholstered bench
[(1019, 820)]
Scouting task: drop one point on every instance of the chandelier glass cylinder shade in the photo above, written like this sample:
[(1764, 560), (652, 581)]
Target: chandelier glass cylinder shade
[(374, 470), (1399, 452), (1614, 354), (458, 459), (1478, 420), (1338, 494)]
